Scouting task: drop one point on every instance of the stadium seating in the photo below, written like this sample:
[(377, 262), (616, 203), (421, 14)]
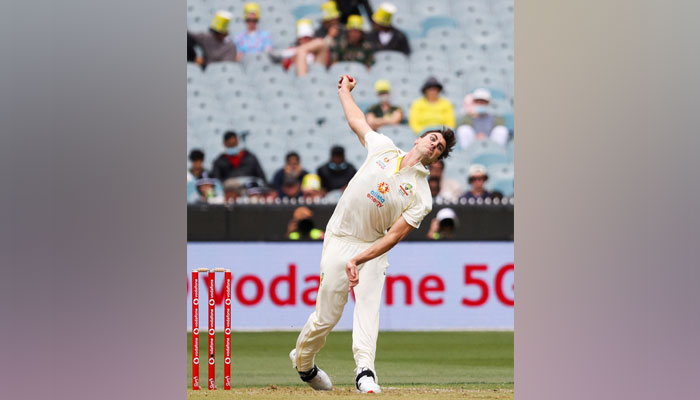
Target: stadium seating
[(482, 146), (305, 10), (429, 8), (457, 167), (489, 158), (438, 22), (464, 43), (505, 186), (504, 170)]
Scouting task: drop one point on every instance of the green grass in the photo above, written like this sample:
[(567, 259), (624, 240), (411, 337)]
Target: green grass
[(441, 364)]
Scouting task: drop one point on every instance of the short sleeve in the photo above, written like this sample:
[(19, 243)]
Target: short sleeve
[(417, 211), (375, 142)]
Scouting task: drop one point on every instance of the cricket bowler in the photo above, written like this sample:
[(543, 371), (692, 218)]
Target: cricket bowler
[(387, 198)]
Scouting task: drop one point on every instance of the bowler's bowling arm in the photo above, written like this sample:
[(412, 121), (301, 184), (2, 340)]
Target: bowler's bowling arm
[(355, 116), (398, 231)]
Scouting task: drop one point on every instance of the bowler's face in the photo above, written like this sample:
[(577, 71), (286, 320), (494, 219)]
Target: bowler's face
[(431, 145)]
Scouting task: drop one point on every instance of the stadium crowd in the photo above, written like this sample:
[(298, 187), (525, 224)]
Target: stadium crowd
[(340, 36)]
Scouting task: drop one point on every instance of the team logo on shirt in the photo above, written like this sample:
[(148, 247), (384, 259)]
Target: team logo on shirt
[(405, 188), (383, 187)]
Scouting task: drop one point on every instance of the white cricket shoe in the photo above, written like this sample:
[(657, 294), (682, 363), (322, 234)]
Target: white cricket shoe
[(366, 381), (315, 377)]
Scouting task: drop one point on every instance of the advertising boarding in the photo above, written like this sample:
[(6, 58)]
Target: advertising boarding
[(429, 285)]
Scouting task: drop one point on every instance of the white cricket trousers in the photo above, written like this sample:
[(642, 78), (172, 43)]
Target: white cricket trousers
[(332, 297)]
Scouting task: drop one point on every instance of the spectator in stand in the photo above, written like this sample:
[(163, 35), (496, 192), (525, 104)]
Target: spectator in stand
[(216, 43), (336, 173), (206, 188), (330, 25), (236, 161), (385, 36), (256, 190), (233, 189), (349, 45), (291, 188), (292, 168), (450, 189), (477, 178), (431, 110), (383, 113), (302, 226), (252, 40), (307, 50), (312, 46), (311, 187), (478, 122), (348, 8), (353, 46), (434, 184), (196, 170), (443, 225)]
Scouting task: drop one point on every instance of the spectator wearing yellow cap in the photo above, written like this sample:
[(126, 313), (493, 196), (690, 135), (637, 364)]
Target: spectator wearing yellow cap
[(383, 113), (330, 25), (431, 110), (311, 187), (216, 43), (252, 40), (384, 36), (353, 46)]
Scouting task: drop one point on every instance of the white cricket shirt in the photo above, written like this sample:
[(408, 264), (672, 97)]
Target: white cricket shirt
[(379, 193)]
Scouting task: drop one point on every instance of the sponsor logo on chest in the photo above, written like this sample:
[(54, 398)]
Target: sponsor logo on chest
[(376, 195), (382, 162)]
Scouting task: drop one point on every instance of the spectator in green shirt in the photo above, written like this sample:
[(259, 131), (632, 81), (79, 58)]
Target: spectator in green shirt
[(353, 46), (383, 113)]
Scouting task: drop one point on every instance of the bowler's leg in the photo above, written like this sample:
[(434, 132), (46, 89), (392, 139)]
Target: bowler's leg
[(368, 295), (330, 302)]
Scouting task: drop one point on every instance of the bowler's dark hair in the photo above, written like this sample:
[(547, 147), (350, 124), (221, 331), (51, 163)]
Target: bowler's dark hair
[(450, 140)]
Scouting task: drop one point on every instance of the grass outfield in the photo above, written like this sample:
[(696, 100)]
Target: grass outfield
[(427, 365)]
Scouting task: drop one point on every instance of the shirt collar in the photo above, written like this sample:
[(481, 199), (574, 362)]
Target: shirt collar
[(419, 167)]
